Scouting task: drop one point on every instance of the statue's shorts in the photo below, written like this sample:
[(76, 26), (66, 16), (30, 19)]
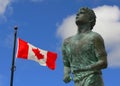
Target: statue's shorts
[(93, 79)]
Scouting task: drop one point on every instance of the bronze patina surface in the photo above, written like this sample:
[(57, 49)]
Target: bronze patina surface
[(84, 54)]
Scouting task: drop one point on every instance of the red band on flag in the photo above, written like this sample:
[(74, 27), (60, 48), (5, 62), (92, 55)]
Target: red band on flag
[(22, 49), (51, 59)]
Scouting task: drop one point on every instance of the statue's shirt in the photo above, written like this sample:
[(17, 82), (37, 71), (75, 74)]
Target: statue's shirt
[(83, 50)]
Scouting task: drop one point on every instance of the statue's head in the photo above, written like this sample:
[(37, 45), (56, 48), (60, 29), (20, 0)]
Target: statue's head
[(86, 15)]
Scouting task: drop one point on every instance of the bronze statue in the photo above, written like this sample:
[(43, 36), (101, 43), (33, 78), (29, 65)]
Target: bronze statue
[(84, 54)]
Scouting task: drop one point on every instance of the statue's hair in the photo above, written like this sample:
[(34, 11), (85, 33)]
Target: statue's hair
[(91, 15)]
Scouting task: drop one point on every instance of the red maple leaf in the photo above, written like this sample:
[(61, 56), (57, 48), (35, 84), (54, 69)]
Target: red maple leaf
[(37, 53)]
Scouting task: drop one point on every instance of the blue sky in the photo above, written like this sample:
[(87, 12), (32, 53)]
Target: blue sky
[(45, 24)]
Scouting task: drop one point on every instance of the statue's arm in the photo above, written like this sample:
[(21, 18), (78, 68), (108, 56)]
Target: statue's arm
[(100, 64), (100, 53), (67, 78)]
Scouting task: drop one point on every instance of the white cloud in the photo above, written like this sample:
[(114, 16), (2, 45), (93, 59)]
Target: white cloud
[(67, 28), (3, 6), (108, 25)]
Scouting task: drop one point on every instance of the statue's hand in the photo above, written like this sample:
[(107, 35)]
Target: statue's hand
[(67, 78)]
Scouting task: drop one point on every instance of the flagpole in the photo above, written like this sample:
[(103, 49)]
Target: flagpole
[(13, 58)]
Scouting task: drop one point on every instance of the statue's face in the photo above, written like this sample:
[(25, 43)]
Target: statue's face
[(82, 17)]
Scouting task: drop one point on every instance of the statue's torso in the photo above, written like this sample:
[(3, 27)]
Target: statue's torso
[(80, 50)]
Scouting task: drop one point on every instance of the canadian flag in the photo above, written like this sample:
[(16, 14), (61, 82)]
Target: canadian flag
[(27, 51)]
